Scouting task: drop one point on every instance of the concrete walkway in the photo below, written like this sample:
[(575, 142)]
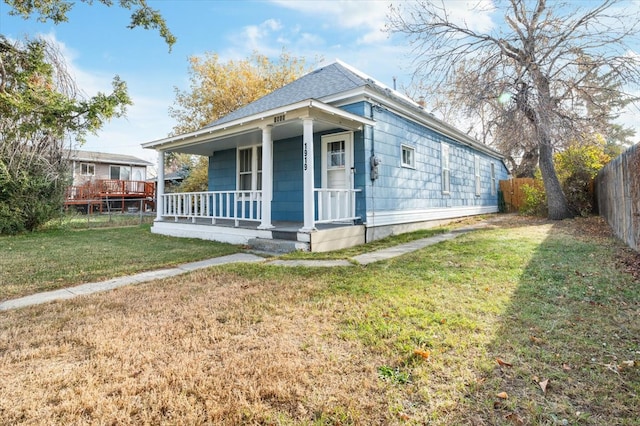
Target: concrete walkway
[(363, 259)]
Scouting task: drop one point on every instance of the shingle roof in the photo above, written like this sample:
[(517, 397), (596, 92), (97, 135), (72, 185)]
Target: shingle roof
[(103, 157), (323, 82)]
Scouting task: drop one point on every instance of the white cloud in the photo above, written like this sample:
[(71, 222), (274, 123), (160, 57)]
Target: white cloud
[(256, 37), (347, 14), (474, 14)]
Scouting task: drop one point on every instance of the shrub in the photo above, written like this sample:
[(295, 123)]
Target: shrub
[(577, 166), (535, 200)]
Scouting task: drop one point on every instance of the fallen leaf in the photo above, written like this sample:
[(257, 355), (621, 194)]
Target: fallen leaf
[(502, 363), (515, 419), (543, 385), (421, 353), (502, 395), (536, 340), (626, 364)]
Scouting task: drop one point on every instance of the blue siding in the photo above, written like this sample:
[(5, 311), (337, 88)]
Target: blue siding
[(287, 180), (396, 189), (401, 188), (222, 171)]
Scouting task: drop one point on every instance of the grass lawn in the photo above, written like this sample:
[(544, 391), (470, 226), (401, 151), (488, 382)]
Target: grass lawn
[(526, 323), (64, 256)]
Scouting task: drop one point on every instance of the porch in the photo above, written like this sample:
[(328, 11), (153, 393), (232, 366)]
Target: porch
[(236, 217), (104, 192)]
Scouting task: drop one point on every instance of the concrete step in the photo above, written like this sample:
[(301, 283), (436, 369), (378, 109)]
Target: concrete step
[(277, 246)]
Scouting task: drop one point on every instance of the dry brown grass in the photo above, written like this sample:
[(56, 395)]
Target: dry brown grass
[(211, 349), (259, 344)]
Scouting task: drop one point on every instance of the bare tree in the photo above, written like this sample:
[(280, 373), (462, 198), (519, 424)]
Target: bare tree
[(536, 73)]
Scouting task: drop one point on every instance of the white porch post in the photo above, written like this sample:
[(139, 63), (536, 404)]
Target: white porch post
[(160, 186), (308, 173), (267, 177)]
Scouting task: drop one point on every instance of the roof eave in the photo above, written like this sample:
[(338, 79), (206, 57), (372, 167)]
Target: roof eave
[(253, 121)]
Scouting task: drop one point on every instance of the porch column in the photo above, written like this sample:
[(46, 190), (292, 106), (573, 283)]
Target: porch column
[(308, 173), (267, 177), (160, 186)]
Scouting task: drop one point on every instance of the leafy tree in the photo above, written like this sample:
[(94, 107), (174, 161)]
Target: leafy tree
[(545, 74), (218, 88), (57, 10), (40, 108)]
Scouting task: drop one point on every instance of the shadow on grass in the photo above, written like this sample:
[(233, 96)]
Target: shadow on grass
[(566, 348)]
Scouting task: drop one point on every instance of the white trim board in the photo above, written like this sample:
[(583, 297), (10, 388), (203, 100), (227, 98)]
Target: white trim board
[(386, 218)]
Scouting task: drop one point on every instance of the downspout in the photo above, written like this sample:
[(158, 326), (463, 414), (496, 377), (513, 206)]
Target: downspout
[(373, 180)]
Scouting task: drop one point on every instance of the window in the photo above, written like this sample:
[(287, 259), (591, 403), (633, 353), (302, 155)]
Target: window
[(476, 168), (250, 169), (446, 173), (408, 156), (335, 155), (119, 173), (87, 169), (493, 179)]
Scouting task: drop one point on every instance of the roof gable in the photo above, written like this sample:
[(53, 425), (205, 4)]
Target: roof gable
[(326, 81)]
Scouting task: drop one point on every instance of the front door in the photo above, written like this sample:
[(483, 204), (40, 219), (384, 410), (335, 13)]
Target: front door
[(337, 167)]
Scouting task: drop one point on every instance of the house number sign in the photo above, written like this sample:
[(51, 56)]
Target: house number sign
[(305, 156)]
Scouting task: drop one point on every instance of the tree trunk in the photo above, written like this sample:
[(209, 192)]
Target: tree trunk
[(557, 205)]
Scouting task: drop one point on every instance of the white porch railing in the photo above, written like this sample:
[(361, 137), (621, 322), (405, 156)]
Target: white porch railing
[(233, 205), (335, 205)]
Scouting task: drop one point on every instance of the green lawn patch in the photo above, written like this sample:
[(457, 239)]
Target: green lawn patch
[(62, 257)]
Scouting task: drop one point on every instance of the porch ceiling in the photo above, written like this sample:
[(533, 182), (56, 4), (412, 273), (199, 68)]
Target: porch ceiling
[(286, 122)]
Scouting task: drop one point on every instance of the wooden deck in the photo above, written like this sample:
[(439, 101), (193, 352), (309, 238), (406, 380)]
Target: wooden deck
[(99, 193)]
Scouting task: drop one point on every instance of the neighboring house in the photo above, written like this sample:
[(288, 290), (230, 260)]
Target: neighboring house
[(331, 160), (173, 180), (108, 180), (89, 166)]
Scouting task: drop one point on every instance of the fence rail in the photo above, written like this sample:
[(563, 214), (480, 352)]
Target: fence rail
[(618, 195)]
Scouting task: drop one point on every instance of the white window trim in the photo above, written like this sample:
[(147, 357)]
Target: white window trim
[(92, 165), (411, 165), (476, 169), (120, 169), (256, 167), (493, 179), (446, 169)]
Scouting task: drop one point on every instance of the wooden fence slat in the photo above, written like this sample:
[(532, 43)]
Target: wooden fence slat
[(513, 193), (618, 195)]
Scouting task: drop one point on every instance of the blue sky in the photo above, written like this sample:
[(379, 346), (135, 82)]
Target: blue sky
[(98, 46)]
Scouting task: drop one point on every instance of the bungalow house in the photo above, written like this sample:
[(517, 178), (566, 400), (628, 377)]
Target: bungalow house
[(331, 160)]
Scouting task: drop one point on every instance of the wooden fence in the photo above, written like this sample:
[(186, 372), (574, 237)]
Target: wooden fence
[(618, 195), (513, 193)]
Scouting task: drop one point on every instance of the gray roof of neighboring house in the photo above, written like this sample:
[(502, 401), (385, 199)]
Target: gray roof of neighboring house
[(104, 157), (323, 82)]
